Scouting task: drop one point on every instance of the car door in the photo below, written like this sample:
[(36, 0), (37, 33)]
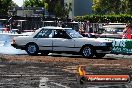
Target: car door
[(44, 39), (63, 42)]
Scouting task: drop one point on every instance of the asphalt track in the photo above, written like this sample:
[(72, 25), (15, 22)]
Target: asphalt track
[(23, 74)]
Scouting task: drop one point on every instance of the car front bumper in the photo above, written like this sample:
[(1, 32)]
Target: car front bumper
[(18, 47), (103, 49)]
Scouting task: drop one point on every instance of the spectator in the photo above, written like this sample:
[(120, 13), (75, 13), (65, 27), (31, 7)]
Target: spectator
[(81, 30), (127, 32), (14, 27), (7, 28)]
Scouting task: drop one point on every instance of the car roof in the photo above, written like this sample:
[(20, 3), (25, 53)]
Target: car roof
[(54, 27)]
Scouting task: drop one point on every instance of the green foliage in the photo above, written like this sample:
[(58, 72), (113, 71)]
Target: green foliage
[(112, 6), (5, 5), (124, 18), (59, 9), (53, 6), (46, 5), (34, 3), (62, 10)]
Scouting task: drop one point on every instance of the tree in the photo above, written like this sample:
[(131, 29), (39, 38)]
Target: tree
[(62, 10), (34, 3), (68, 8), (129, 6), (51, 6), (5, 5), (112, 6), (59, 9), (107, 6), (54, 7)]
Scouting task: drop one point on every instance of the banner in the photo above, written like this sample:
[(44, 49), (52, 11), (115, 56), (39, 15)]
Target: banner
[(84, 76), (122, 46)]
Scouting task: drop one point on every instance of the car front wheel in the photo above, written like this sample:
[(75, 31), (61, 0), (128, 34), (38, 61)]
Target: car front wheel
[(32, 49), (87, 51)]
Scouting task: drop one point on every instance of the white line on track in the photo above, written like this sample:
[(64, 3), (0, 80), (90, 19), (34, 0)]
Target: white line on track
[(60, 85)]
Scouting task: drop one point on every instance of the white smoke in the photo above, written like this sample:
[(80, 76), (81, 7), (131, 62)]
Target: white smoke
[(5, 45)]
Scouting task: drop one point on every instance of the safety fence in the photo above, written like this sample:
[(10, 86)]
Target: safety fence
[(23, 25)]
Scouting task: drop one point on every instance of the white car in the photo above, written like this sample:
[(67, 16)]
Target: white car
[(113, 30), (51, 39)]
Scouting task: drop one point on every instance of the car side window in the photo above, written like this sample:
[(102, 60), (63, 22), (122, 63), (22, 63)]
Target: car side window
[(60, 34), (44, 33)]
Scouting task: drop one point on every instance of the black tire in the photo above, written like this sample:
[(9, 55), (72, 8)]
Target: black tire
[(87, 51), (32, 49), (100, 55), (44, 53)]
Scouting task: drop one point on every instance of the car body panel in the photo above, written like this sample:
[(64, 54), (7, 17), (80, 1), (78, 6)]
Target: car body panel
[(60, 44), (70, 43), (44, 45)]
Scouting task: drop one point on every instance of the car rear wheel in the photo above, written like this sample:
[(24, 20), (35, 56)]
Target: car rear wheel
[(32, 49), (87, 51), (100, 55)]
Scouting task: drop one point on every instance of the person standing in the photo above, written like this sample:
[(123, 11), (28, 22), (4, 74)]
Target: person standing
[(14, 27), (127, 32)]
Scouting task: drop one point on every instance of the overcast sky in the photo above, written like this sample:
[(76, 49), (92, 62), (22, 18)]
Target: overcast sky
[(19, 2)]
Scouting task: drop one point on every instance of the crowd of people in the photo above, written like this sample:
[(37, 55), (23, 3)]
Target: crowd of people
[(83, 27)]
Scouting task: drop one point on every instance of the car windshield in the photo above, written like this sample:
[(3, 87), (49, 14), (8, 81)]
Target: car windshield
[(73, 33)]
